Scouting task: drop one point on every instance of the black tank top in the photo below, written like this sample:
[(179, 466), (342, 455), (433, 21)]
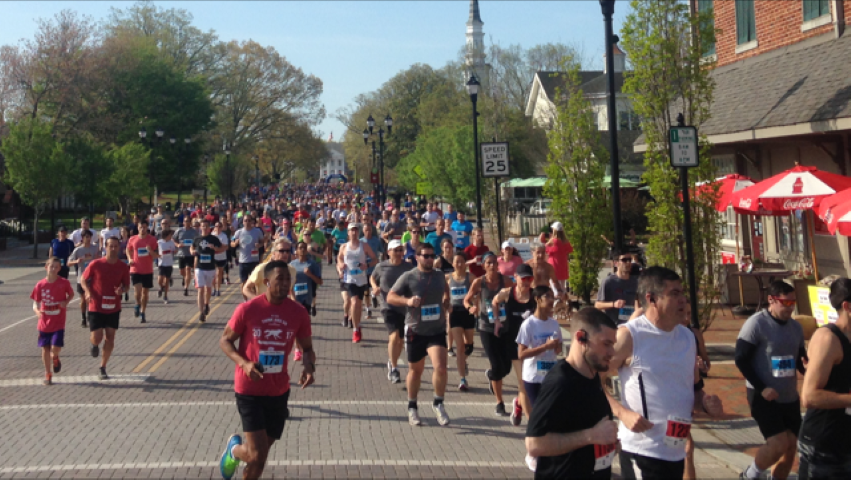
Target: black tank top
[(515, 310), (829, 431)]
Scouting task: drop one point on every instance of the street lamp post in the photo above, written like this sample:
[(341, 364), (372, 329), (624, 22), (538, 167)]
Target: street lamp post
[(473, 91), (608, 7), (256, 172), (367, 133), (226, 148), (186, 142), (206, 177)]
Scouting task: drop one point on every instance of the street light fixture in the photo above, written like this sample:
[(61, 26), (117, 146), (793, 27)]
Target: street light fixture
[(473, 91), (256, 172), (367, 133), (226, 148), (608, 7), (180, 156)]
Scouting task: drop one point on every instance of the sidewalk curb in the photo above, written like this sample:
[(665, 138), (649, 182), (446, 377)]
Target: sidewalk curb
[(715, 447)]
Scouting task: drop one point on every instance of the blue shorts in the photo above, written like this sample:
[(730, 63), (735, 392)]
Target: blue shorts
[(52, 339)]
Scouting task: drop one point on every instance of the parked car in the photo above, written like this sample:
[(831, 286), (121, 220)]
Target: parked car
[(540, 207)]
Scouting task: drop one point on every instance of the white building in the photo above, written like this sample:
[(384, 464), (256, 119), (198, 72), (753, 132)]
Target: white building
[(334, 165)]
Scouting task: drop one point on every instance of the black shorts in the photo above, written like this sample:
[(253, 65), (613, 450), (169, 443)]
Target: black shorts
[(263, 413), (80, 290), (773, 417), (221, 263), (166, 271), (460, 317), (146, 279), (245, 270), (64, 271), (653, 468), (186, 262), (418, 345), (394, 321), (354, 290), (99, 320)]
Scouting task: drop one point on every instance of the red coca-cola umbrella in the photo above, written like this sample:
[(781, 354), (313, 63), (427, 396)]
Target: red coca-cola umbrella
[(726, 185), (835, 212)]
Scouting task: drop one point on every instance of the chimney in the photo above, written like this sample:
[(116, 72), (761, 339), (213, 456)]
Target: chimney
[(620, 60)]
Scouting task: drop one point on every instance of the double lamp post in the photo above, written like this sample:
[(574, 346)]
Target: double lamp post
[(367, 135)]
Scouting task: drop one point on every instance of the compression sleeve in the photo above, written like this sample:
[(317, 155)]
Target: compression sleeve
[(744, 354)]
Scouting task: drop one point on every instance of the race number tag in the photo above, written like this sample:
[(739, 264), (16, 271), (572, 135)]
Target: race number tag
[(300, 288), (108, 303), (625, 312), (430, 313), (187, 242), (783, 366), (355, 271), (62, 262), (255, 253), (604, 455), (677, 432), (205, 258), (46, 305), (142, 252), (490, 313), (341, 241), (544, 366), (458, 293), (272, 361)]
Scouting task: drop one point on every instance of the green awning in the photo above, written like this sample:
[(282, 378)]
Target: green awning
[(624, 183), (526, 182)]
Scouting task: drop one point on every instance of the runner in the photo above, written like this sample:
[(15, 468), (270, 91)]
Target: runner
[(462, 323), (265, 328), (560, 443), (616, 296), (184, 238), (475, 252), (247, 241), (492, 332), (221, 259), (255, 286), (425, 293), (558, 250), (104, 281), (165, 248), (824, 443), (80, 258), (308, 277), (438, 236), (394, 229), (352, 262), (204, 249), (462, 229), (141, 251), (61, 248), (382, 279), (769, 348), (508, 261), (655, 360), (374, 243), (545, 274), (110, 230), (50, 298)]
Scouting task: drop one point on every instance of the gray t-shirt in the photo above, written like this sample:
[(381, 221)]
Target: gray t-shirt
[(427, 319), (86, 254), (184, 238), (247, 247), (615, 288), (777, 346), (385, 275)]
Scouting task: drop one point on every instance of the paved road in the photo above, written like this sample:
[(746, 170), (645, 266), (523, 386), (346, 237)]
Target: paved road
[(169, 405)]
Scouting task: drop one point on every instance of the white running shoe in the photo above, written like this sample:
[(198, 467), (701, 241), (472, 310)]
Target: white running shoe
[(414, 417), (440, 411)]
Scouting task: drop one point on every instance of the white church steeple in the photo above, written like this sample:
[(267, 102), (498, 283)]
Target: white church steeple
[(475, 56)]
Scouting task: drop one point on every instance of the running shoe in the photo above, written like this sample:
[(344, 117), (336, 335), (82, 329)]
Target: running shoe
[(313, 310), (94, 351), (102, 375), (395, 377), (84, 324), (345, 321), (440, 411), (500, 410), (57, 365), (137, 310), (488, 378), (48, 379), (463, 385), (451, 352), (160, 293), (368, 313), (207, 309), (165, 300), (356, 336), (185, 292), (202, 318), (516, 412), (228, 463), (414, 417), (297, 355), (227, 281), (143, 318)]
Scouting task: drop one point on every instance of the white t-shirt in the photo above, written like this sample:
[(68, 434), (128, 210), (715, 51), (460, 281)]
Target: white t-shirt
[(77, 236), (431, 219), (108, 233), (223, 237), (166, 249), (535, 332)]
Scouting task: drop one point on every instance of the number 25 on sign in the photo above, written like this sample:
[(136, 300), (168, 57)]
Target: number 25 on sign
[(684, 152)]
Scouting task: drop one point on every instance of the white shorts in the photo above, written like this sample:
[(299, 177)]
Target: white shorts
[(204, 278)]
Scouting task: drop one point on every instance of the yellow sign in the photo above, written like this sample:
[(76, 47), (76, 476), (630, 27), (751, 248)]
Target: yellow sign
[(420, 173), (820, 303), (423, 188)]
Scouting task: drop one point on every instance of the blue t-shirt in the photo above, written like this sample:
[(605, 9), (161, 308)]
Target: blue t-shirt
[(450, 217), (303, 286), (62, 249), (435, 241), (375, 244), (341, 237), (462, 230)]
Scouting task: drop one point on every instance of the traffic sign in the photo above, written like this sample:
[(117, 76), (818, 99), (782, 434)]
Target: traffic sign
[(684, 152), (419, 171), (423, 188), (495, 159)]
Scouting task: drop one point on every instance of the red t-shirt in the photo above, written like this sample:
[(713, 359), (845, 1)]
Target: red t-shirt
[(557, 253), (141, 250), (212, 218), (267, 333), (103, 279), (472, 252), (48, 296), (267, 224)]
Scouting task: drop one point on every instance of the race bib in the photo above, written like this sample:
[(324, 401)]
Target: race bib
[(255, 253), (205, 258), (107, 303), (604, 455), (62, 261), (300, 288), (355, 271), (142, 252), (544, 366), (490, 313), (783, 366), (46, 305), (273, 361), (625, 312), (87, 256), (677, 432), (458, 293), (187, 242), (341, 241), (430, 313)]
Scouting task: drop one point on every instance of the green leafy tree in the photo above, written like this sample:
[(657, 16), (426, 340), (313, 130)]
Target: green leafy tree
[(129, 165), (668, 45), (228, 176), (575, 170), (90, 170), (36, 166)]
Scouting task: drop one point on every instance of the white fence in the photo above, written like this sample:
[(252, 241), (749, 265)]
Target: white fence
[(525, 225)]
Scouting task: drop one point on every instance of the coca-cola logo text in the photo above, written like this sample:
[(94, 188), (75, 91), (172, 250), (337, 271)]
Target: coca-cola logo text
[(798, 203), (745, 203), (828, 217)]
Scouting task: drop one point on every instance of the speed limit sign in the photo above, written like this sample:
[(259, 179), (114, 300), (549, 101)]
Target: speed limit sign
[(495, 159)]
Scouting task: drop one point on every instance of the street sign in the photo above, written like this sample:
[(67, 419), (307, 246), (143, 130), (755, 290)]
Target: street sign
[(423, 188), (684, 147), (495, 159), (373, 177), (419, 171)]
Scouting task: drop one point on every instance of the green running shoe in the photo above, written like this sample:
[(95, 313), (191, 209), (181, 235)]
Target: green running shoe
[(228, 464)]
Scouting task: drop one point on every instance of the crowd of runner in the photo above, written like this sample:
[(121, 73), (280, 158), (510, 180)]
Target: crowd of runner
[(427, 271)]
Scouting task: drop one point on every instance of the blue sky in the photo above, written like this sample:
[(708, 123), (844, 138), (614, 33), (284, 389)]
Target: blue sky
[(355, 46)]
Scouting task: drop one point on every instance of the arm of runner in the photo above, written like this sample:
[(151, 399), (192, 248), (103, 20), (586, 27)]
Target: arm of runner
[(744, 354), (341, 261), (375, 282), (37, 310), (825, 352), (371, 259), (605, 432), (227, 342), (308, 362), (249, 290), (623, 355), (470, 301), (524, 352)]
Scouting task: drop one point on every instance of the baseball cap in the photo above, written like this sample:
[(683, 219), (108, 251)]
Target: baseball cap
[(557, 226), (63, 228), (506, 244), (354, 225), (285, 221), (394, 244), (524, 270)]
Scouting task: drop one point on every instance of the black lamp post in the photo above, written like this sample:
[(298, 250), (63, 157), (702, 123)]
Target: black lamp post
[(226, 148), (367, 133), (206, 177), (473, 91), (186, 142), (143, 137), (608, 7), (256, 172)]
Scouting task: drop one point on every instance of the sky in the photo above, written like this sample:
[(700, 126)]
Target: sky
[(356, 46)]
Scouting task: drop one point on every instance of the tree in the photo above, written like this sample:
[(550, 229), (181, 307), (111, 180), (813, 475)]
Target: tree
[(671, 75), (89, 171), (291, 147), (36, 166), (129, 165), (229, 174), (575, 171)]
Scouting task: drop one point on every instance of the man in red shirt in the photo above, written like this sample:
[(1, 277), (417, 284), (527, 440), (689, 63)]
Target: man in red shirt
[(50, 302), (475, 251), (105, 281), (265, 327), (142, 249)]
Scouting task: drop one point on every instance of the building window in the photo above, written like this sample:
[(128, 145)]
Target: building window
[(815, 8), (628, 120), (745, 21), (790, 234), (727, 225), (708, 6)]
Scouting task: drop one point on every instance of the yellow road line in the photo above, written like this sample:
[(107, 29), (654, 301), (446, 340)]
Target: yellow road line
[(188, 335), (165, 345)]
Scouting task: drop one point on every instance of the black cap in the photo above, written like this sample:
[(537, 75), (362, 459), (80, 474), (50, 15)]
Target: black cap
[(524, 270)]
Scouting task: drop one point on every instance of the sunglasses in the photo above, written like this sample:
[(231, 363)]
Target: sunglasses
[(526, 279), (415, 231), (785, 302), (625, 260), (428, 256), (282, 251)]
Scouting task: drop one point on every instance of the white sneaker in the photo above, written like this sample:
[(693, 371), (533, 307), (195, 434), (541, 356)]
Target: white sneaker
[(414, 417), (440, 411)]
